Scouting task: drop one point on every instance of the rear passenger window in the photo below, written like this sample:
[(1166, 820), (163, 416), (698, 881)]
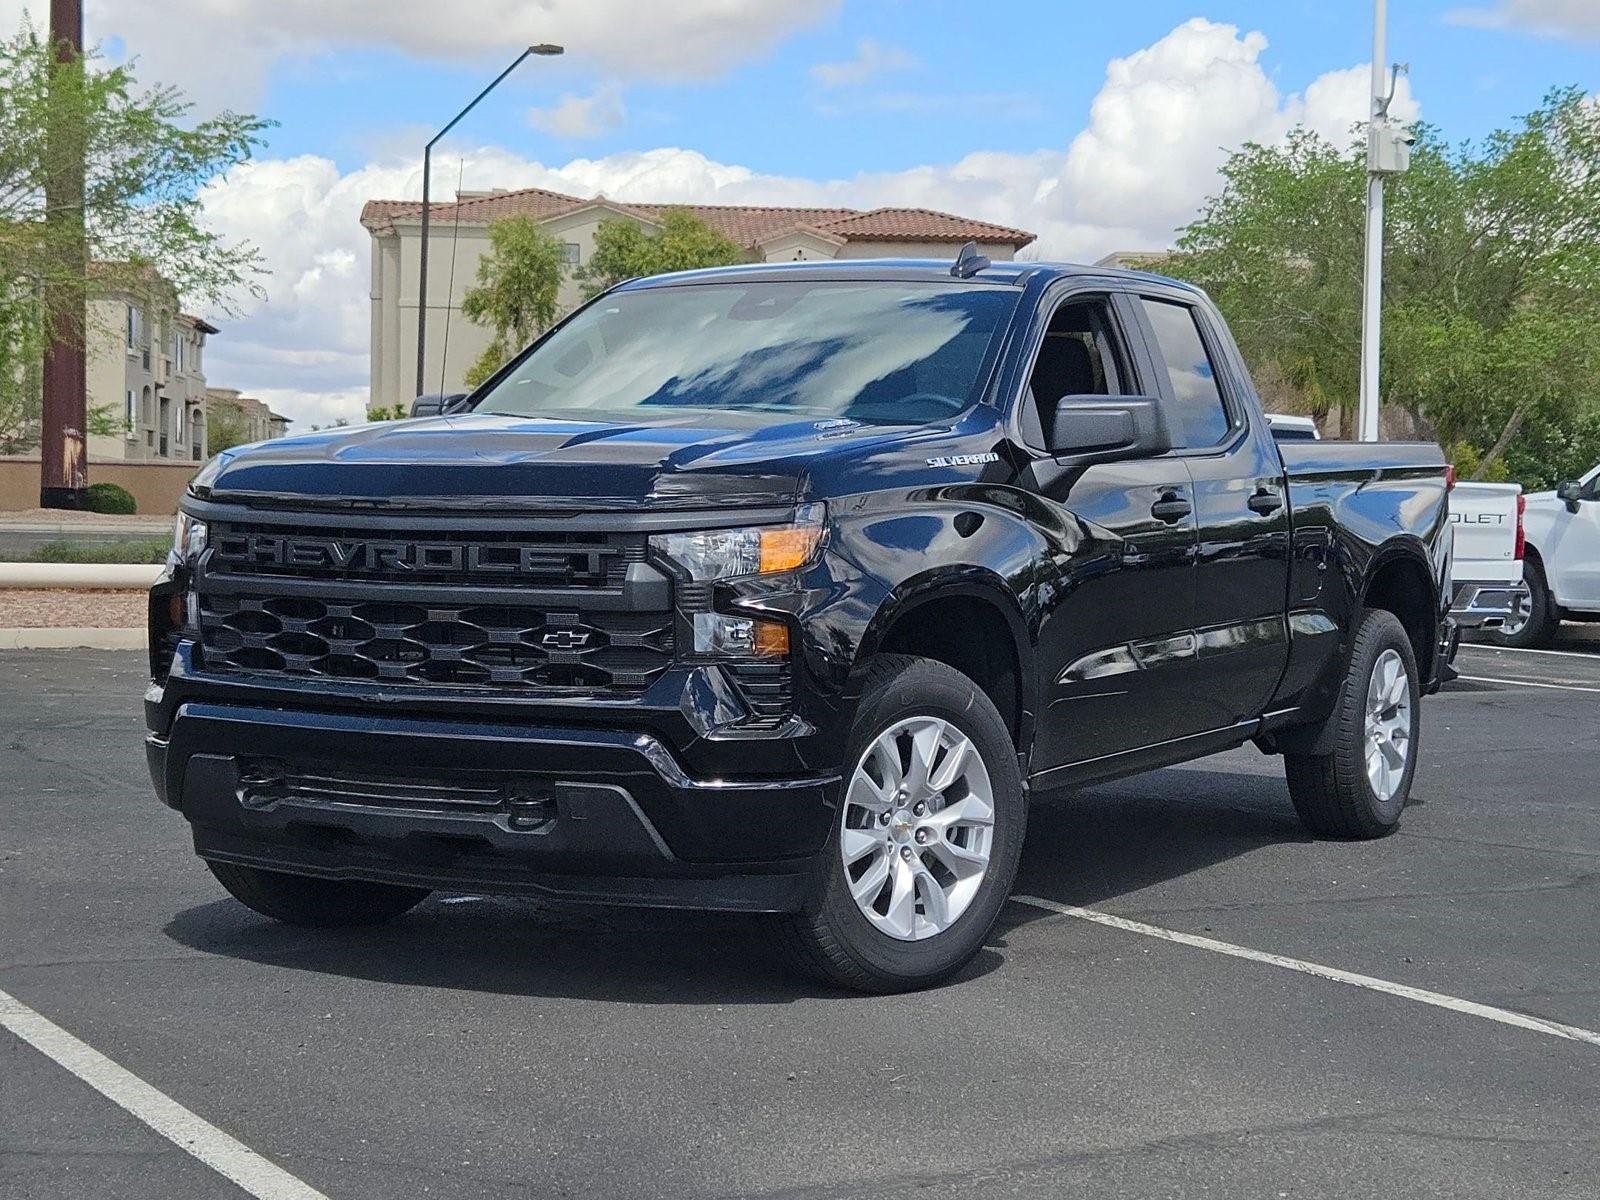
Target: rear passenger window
[(1198, 417)]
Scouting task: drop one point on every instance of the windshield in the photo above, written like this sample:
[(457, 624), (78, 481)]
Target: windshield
[(878, 353)]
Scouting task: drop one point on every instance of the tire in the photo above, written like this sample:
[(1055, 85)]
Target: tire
[(1538, 628), (320, 903), (904, 945), (1335, 793)]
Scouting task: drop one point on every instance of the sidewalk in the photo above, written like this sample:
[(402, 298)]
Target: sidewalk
[(65, 523)]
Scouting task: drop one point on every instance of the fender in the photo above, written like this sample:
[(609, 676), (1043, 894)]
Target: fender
[(932, 587)]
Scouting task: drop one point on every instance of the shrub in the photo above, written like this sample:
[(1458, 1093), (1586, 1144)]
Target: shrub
[(110, 498)]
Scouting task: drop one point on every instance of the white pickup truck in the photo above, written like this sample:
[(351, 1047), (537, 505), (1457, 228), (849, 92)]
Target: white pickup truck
[(1486, 575), (1562, 562)]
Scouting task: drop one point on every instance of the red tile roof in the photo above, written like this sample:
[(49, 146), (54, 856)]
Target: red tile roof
[(920, 225), (742, 223)]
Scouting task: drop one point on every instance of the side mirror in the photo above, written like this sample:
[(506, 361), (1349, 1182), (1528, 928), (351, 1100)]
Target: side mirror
[(1106, 428), (435, 403), (1569, 493)]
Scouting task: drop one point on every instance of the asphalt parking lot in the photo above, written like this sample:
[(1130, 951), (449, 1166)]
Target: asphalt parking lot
[(484, 1048)]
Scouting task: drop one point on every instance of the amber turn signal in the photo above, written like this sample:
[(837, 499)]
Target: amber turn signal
[(771, 638), (788, 548)]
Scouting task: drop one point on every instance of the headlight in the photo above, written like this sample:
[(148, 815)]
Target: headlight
[(753, 550), (717, 554), (188, 538)]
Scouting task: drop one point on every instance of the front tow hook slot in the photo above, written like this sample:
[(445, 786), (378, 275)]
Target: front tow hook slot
[(527, 812)]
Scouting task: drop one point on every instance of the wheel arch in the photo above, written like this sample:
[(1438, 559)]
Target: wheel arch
[(968, 619), (1400, 581)]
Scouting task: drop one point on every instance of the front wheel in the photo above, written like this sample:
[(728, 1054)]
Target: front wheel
[(928, 834)]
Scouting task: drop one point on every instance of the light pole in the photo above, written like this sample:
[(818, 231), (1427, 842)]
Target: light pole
[(427, 170), (63, 441), (1388, 153)]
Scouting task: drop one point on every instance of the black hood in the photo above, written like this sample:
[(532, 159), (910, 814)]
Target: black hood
[(488, 461)]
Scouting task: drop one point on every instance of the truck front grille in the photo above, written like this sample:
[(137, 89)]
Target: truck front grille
[(499, 610)]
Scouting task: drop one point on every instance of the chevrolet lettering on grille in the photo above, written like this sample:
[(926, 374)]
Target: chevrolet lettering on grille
[(245, 550)]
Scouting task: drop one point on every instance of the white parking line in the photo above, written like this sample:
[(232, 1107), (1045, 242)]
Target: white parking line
[(221, 1152), (1438, 999), (1560, 687), (1594, 658)]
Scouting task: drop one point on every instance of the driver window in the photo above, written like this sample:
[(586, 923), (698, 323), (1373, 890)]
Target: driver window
[(1075, 359)]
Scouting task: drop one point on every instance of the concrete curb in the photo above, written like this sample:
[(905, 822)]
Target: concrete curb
[(78, 575), (73, 639)]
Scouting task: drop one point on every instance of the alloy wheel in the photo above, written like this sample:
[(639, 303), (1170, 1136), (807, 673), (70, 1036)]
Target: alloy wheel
[(1388, 725), (916, 828)]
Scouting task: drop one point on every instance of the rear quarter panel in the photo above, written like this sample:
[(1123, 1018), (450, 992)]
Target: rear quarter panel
[(1356, 507)]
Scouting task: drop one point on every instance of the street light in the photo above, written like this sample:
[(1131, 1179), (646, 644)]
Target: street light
[(1388, 153), (543, 49)]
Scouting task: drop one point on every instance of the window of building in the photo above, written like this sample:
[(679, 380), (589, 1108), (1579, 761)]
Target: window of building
[(134, 318), (130, 416), (571, 253), (1198, 416), (178, 341)]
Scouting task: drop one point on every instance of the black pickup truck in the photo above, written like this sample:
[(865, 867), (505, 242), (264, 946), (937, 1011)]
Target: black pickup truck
[(781, 589)]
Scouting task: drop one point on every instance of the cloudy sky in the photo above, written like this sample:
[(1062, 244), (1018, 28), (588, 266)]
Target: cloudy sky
[(1099, 126)]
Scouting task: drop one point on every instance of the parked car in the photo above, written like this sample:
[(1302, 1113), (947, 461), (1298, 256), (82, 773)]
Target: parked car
[(1289, 428), (782, 589), (1562, 563), (1486, 566)]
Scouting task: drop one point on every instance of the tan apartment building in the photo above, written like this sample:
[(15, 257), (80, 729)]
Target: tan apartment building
[(145, 365), (460, 236), (260, 422)]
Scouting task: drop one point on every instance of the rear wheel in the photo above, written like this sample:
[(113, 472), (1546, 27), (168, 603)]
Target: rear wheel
[(928, 834), (1533, 623), (303, 900), (1359, 789)]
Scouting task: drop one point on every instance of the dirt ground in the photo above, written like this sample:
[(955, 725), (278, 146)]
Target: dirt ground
[(31, 608), (66, 516)]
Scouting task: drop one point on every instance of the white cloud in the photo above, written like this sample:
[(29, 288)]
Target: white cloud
[(1339, 100), (581, 116), (221, 50), (872, 59), (1162, 123), (1554, 18)]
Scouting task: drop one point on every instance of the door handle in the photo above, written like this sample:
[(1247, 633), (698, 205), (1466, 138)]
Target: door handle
[(1170, 508), (1264, 502)]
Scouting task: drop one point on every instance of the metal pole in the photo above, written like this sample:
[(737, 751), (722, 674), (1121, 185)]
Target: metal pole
[(427, 164), (422, 269), (63, 447), (1372, 275)]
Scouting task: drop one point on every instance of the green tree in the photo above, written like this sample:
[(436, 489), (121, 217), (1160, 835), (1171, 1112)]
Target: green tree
[(388, 412), (145, 161), (623, 250), (519, 281), (226, 427), (1491, 284)]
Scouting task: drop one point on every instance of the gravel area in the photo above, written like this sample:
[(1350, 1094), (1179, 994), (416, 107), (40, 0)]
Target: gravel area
[(40, 608)]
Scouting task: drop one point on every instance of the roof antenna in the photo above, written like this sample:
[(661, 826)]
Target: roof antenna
[(969, 262)]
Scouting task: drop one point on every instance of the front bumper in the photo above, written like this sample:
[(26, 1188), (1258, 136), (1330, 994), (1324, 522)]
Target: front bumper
[(605, 815)]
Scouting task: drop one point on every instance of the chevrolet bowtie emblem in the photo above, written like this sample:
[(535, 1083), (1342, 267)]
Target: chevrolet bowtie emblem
[(565, 639)]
